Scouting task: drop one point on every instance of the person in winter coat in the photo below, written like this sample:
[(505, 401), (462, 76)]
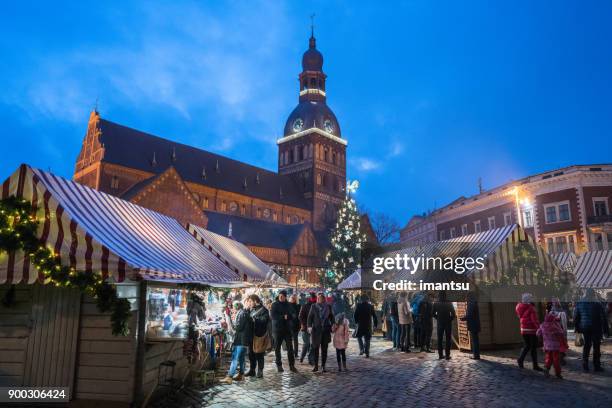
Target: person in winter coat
[(341, 337), (590, 320), (261, 322), (295, 322), (320, 320), (283, 315), (303, 317), (394, 319), (364, 314), (416, 324), (553, 335), (526, 312), (556, 309), (425, 316), (405, 320), (472, 318), (243, 332), (444, 312)]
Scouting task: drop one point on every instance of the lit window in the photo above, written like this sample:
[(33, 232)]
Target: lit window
[(560, 244)]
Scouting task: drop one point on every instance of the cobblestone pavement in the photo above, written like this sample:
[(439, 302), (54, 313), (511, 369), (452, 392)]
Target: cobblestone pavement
[(390, 379)]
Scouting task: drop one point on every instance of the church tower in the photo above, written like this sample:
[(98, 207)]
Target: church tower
[(312, 150)]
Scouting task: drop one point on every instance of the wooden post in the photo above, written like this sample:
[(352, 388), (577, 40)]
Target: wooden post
[(139, 367)]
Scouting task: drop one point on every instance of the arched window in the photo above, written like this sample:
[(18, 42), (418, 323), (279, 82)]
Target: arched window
[(334, 157), (325, 155), (305, 152), (318, 179), (313, 83)]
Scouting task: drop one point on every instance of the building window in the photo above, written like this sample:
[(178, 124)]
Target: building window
[(223, 206), (115, 182), (319, 179), (557, 212), (243, 209), (560, 244), (464, 230), (507, 219), (452, 232), (477, 226), (491, 223), (600, 206), (259, 213), (442, 235), (205, 202), (325, 155), (528, 218)]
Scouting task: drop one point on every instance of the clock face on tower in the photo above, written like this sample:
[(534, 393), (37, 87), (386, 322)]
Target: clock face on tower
[(328, 126), (298, 125)]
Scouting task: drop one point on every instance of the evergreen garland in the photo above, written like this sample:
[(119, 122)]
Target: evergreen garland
[(18, 226)]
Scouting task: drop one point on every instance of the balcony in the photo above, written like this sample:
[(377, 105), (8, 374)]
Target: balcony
[(599, 219)]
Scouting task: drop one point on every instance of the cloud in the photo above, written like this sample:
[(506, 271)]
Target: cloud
[(395, 149), (192, 61), (365, 164)]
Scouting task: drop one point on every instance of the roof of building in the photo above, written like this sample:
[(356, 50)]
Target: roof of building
[(525, 180), (314, 114), (143, 151), (110, 235), (255, 232)]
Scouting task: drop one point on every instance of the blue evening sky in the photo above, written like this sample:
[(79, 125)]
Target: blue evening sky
[(431, 95)]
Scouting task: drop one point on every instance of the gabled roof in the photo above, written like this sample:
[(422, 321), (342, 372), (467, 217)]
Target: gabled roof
[(97, 232), (135, 149), (255, 232), (236, 255)]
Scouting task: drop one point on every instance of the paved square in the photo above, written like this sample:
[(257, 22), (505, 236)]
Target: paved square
[(392, 379)]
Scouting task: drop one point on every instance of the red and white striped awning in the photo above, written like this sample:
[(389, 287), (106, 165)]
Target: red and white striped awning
[(97, 232), (236, 256), (495, 245), (594, 270)]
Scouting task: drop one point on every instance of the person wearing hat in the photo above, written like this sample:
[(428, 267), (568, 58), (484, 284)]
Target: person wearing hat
[(304, 311), (283, 315), (529, 323)]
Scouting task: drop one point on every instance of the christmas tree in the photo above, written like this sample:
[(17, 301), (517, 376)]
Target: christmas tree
[(346, 241)]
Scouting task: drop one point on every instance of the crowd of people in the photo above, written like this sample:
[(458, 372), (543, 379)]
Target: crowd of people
[(257, 329), (407, 321)]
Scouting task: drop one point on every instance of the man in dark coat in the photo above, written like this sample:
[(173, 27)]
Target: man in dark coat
[(426, 324), (444, 312), (320, 321), (590, 320), (282, 315), (295, 323), (306, 348), (364, 313), (472, 318)]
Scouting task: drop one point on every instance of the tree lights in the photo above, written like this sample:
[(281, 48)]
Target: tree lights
[(347, 241), (18, 232)]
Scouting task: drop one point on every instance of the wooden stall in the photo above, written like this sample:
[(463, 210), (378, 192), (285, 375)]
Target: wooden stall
[(498, 248), (56, 336)]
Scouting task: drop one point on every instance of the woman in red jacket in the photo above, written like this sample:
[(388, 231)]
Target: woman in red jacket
[(529, 326)]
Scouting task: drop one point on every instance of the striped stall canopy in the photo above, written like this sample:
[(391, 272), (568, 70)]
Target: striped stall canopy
[(594, 270), (496, 246), (96, 232), (235, 255), (565, 260), (352, 282)]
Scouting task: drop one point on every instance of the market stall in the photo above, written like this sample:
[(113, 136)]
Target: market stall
[(149, 259), (594, 270), (513, 264)]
